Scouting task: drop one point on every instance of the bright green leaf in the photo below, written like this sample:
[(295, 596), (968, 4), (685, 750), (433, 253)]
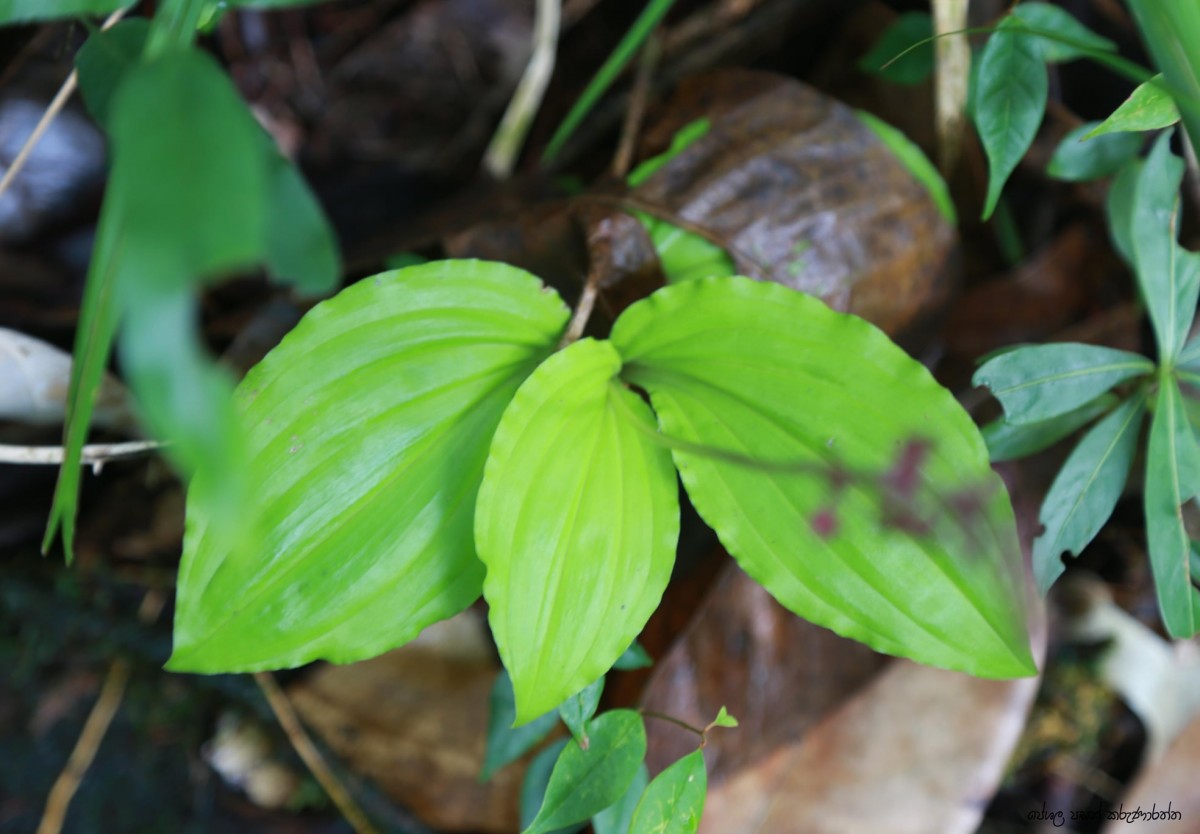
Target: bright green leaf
[(578, 710), (915, 160), (1044, 381), (827, 460), (506, 743), (635, 657), (22, 11), (585, 782), (684, 255), (537, 779), (103, 61), (1169, 275), (1172, 479), (1007, 441), (1149, 107), (1009, 103), (674, 802), (616, 818), (911, 31), (577, 523), (1076, 160), (724, 719), (1066, 38), (369, 426), (683, 139), (1119, 208), (1086, 489)]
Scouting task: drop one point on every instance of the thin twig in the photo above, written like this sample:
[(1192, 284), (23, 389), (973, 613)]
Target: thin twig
[(95, 455), (647, 62), (94, 729), (290, 722), (583, 309), (502, 152), (55, 107)]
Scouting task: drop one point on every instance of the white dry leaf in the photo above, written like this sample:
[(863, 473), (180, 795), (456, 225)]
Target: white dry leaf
[(1158, 680), (34, 380)]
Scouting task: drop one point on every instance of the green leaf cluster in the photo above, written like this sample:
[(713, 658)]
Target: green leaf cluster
[(1049, 391)]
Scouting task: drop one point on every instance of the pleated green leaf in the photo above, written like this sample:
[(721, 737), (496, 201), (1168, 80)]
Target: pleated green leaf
[(577, 523), (1010, 102), (1172, 479), (585, 782), (1086, 489), (1044, 381), (674, 802), (368, 428), (842, 477)]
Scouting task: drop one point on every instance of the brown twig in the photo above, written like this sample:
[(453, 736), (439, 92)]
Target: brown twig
[(296, 734), (583, 309), (52, 111), (647, 62)]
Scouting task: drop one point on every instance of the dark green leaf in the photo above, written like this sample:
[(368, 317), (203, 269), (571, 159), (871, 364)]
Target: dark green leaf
[(1149, 107), (22, 11), (1086, 489), (585, 782), (1010, 102), (911, 31), (537, 778), (635, 657), (1006, 441), (1072, 39), (369, 427), (1119, 208), (1169, 275), (578, 710), (300, 245), (914, 159), (103, 61), (1172, 479), (674, 801), (825, 459), (616, 818), (577, 522), (1076, 160), (1189, 356), (506, 743), (1044, 381)]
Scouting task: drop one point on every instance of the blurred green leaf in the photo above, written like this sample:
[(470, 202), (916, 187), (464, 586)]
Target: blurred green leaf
[(301, 248), (1172, 479), (785, 419), (537, 778), (1076, 160), (1119, 208), (585, 782), (1086, 489), (635, 657), (914, 159), (911, 31), (104, 59), (506, 743), (368, 430), (1149, 107), (1043, 381), (684, 138), (1007, 441), (25, 11), (1009, 103), (616, 818), (674, 802), (578, 710), (1073, 39), (577, 522), (1189, 356), (1169, 275)]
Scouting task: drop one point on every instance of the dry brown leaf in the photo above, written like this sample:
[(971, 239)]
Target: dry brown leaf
[(1167, 786)]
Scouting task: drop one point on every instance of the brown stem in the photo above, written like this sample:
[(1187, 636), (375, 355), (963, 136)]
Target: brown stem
[(583, 309), (637, 107)]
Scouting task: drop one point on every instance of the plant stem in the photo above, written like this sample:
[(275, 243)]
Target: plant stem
[(583, 309), (673, 720), (173, 27)]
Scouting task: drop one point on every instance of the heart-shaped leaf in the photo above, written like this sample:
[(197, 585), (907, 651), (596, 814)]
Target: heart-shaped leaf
[(1172, 478), (1086, 489), (1044, 381), (835, 469), (577, 523), (368, 430), (674, 801), (585, 782)]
